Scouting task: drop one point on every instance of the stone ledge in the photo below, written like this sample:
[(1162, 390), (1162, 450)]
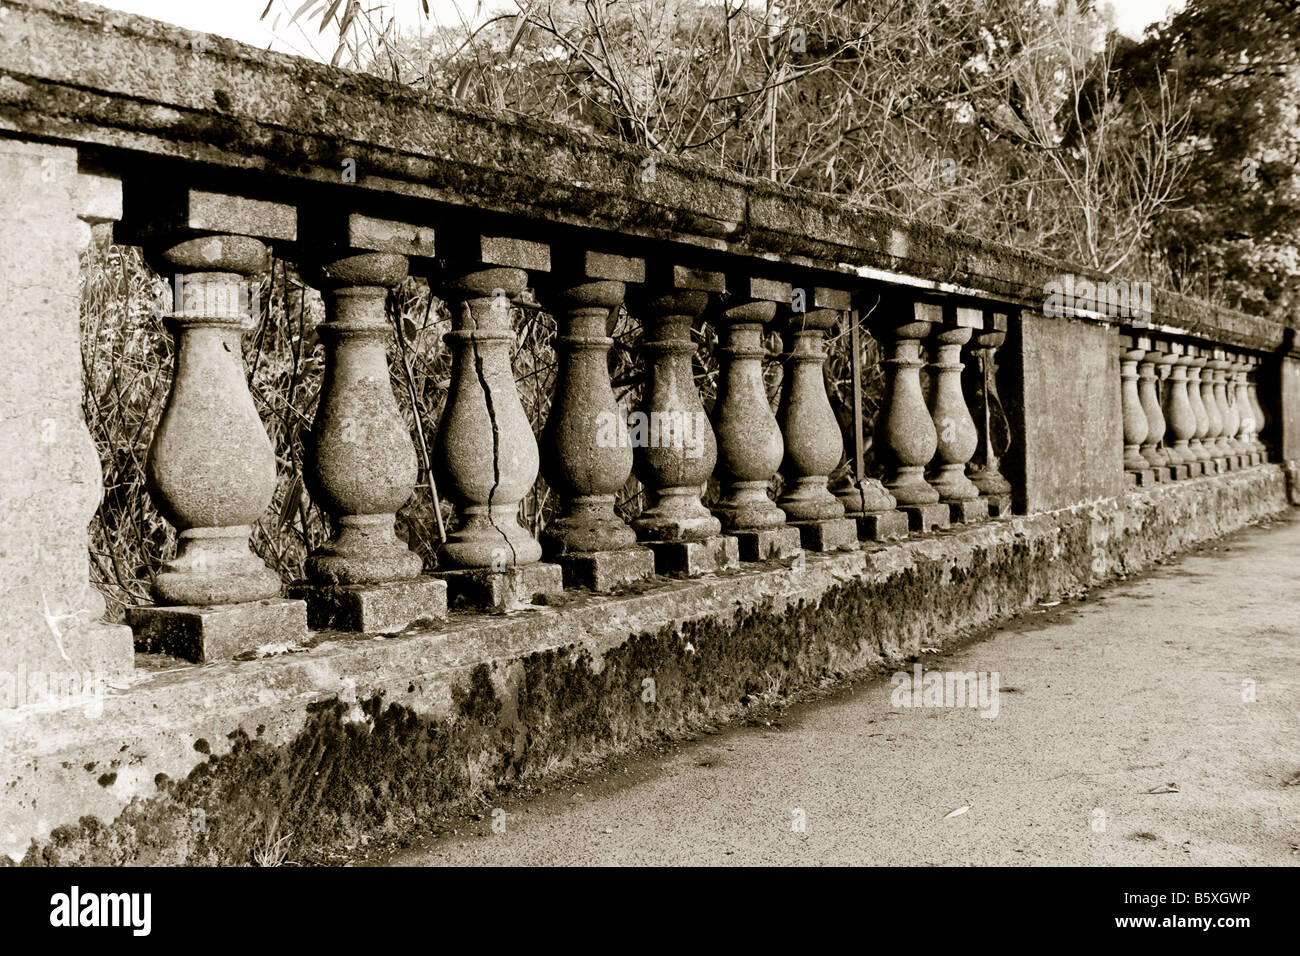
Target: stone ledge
[(432, 719)]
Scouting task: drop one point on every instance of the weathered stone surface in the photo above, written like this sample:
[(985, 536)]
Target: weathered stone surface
[(354, 738), (767, 544), (930, 517), (964, 512), (881, 526), (487, 589), (374, 608), (1065, 414), (50, 482), (606, 571), (693, 558), (832, 534), (999, 505), (218, 632)]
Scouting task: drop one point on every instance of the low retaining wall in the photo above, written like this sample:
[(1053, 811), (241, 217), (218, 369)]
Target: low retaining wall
[(372, 737)]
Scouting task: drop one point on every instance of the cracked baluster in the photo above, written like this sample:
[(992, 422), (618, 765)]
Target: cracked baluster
[(954, 426), (1150, 398), (485, 452), (1133, 348), (1179, 418), (361, 464), (750, 447), (674, 460)]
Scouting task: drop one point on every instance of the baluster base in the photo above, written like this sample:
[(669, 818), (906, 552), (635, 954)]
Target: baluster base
[(693, 558), (768, 543), (880, 525), (217, 632), (929, 517), (832, 534), (606, 571), (484, 589), (374, 608), (999, 505), (1141, 479), (1176, 473), (968, 512)]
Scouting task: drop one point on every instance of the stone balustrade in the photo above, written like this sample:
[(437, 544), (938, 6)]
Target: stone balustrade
[(1189, 409), (988, 405)]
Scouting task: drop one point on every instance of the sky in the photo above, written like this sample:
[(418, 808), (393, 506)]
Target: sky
[(238, 19)]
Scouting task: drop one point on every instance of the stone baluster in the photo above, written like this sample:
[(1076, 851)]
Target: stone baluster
[(1147, 376), (1178, 414), (1213, 440), (813, 443), (1227, 409), (587, 455), (1133, 349), (211, 468), (1261, 420), (1247, 426), (674, 447), (1197, 445), (905, 429), (750, 447), (485, 452), (954, 426), (1164, 367), (361, 465), (985, 472)]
